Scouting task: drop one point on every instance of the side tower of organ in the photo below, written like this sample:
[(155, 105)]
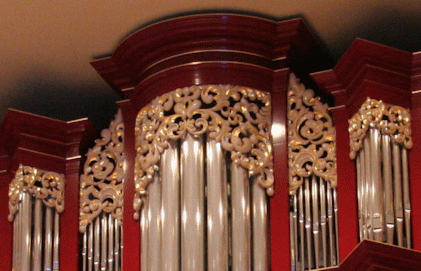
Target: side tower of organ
[(237, 146)]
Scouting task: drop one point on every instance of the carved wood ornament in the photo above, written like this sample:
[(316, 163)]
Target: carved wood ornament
[(45, 185), (101, 186), (237, 117), (392, 120), (311, 137)]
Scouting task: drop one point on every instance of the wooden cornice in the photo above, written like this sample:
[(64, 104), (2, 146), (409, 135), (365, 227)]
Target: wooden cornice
[(372, 70), (42, 142), (209, 49)]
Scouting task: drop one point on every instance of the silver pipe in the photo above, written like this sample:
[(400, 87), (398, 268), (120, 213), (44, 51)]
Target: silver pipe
[(84, 250), (388, 189), (118, 250), (293, 232), (364, 192), (170, 212), (97, 242), (48, 243), (217, 207), (323, 221), (359, 198), (241, 232), (315, 211), (192, 224), (330, 219), (378, 213), (15, 240), (144, 229), (110, 243), (37, 239), (121, 243), (335, 210), (90, 232), (308, 222), (104, 243), (406, 197), (259, 228), (20, 235), (27, 231), (398, 192), (301, 221), (56, 241), (368, 187), (154, 218)]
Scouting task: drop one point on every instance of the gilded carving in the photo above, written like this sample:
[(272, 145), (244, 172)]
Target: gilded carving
[(392, 120), (101, 187), (238, 117), (45, 185), (311, 137)]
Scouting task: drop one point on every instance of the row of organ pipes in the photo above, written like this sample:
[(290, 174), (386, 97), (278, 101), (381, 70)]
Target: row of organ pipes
[(201, 209)]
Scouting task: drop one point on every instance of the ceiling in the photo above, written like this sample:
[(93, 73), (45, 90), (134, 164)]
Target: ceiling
[(46, 46)]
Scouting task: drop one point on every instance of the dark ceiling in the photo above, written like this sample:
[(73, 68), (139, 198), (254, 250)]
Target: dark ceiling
[(46, 46)]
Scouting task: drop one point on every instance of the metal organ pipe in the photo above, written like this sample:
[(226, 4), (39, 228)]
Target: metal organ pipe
[(380, 151)]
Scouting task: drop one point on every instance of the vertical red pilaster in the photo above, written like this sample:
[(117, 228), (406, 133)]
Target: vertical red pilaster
[(131, 227), (415, 176), (6, 226), (279, 203), (347, 187)]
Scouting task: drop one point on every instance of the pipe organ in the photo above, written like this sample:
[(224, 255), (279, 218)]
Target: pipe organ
[(236, 146)]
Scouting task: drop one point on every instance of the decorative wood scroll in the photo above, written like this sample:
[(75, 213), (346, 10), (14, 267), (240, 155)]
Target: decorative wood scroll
[(101, 187), (392, 120), (311, 137), (238, 117), (45, 185)]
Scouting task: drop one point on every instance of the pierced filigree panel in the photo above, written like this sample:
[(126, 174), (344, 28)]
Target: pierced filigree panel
[(45, 185), (101, 187), (238, 117), (392, 120), (311, 137)]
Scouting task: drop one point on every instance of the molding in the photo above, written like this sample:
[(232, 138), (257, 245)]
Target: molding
[(311, 137), (391, 120), (237, 117), (101, 184), (45, 185)]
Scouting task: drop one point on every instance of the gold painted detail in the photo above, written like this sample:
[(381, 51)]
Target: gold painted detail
[(101, 184), (237, 117), (391, 120), (311, 137), (45, 185)]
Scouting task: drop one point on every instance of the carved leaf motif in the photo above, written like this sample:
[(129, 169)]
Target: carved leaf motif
[(392, 120), (238, 117), (311, 137), (45, 185), (101, 187)]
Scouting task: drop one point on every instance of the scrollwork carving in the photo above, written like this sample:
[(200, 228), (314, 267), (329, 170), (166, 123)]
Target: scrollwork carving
[(101, 186), (311, 137), (238, 117), (392, 120), (45, 185)]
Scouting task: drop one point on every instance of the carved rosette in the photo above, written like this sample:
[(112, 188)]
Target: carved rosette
[(391, 120), (311, 137), (45, 185), (237, 117), (101, 187)]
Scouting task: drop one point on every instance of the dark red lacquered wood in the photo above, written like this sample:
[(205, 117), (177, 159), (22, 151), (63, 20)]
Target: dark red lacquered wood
[(50, 145), (213, 49)]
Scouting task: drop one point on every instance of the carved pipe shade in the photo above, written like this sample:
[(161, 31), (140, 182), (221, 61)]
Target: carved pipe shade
[(392, 120), (101, 186), (45, 185), (237, 117), (311, 137)]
